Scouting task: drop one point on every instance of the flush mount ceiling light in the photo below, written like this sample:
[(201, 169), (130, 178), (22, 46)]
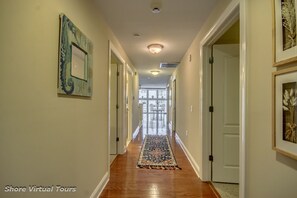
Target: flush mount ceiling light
[(155, 48), (156, 6), (155, 72), (156, 10)]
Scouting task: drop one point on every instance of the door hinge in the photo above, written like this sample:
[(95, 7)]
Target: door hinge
[(211, 109), (118, 73), (211, 60), (210, 158), (117, 106), (118, 139)]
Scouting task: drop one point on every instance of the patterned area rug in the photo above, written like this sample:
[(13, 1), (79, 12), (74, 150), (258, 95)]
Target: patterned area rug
[(156, 153)]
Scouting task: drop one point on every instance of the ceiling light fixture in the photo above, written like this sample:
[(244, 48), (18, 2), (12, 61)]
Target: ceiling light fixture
[(156, 6), (155, 48), (155, 72), (156, 10)]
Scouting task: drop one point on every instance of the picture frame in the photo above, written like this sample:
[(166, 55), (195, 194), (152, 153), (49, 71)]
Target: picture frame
[(284, 32), (75, 60), (284, 135)]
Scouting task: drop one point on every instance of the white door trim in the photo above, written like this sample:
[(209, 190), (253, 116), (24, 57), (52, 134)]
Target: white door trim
[(236, 9), (128, 111), (121, 146), (243, 95)]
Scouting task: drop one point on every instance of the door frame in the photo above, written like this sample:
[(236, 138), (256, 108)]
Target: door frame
[(235, 10), (121, 100), (173, 93), (129, 104)]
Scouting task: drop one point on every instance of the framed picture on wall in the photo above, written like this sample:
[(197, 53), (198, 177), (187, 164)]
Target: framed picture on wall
[(284, 32), (75, 60), (285, 112)]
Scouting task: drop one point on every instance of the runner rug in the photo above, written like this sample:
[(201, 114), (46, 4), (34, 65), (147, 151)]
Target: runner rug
[(156, 153)]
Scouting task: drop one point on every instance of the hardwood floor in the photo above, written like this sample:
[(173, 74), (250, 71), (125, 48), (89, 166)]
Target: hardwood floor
[(128, 181)]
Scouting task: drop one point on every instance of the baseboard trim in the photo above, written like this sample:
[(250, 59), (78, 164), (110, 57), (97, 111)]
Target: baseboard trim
[(214, 189), (189, 156), (99, 188), (170, 126), (136, 132)]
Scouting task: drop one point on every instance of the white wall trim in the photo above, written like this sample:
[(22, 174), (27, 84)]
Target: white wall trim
[(243, 95), (135, 133), (100, 187), (189, 156), (222, 24), (173, 77), (129, 70), (170, 126)]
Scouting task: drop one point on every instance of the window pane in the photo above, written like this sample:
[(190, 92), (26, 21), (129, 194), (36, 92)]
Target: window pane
[(142, 93), (162, 106), (144, 121), (152, 105), (152, 93), (152, 124), (162, 94)]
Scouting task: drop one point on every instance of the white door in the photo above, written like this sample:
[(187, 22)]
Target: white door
[(226, 113)]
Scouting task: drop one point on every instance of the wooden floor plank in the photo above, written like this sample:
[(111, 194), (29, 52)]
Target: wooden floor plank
[(126, 180)]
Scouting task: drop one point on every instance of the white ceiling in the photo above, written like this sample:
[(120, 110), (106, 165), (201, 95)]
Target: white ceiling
[(174, 27)]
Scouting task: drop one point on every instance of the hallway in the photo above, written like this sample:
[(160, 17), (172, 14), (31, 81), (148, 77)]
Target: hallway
[(62, 81), (128, 181)]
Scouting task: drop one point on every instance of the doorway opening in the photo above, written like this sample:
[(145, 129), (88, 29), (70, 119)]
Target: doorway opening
[(229, 17), (225, 113), (116, 104), (225, 119), (224, 99)]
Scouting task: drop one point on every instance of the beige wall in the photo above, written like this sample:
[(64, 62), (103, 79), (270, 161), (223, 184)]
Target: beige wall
[(231, 36), (268, 174), (46, 139)]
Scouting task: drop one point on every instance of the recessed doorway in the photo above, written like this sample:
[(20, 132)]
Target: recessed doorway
[(116, 104), (228, 18)]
